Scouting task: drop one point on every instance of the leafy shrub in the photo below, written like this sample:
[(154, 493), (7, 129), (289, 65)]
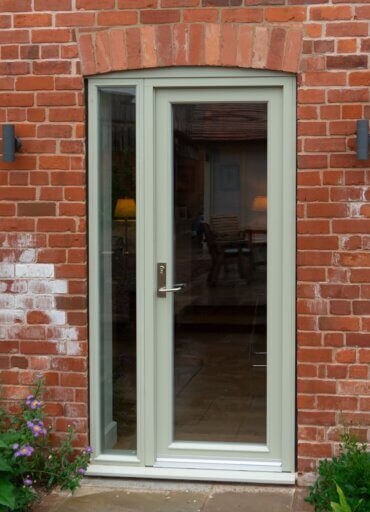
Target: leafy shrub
[(343, 506), (350, 471), (29, 465)]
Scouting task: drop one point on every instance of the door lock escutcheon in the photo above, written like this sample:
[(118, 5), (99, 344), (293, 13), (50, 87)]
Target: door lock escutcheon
[(161, 282)]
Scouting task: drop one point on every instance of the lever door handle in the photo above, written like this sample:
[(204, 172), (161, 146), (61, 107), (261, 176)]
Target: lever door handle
[(161, 282), (176, 288)]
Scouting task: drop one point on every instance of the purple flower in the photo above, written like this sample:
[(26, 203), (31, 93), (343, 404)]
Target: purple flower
[(15, 446), (37, 428), (27, 482), (89, 450), (33, 403), (24, 451), (81, 471)]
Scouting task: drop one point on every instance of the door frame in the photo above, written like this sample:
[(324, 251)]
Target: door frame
[(146, 82)]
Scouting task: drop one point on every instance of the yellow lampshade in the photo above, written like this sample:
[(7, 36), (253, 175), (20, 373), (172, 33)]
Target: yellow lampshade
[(125, 209), (259, 204)]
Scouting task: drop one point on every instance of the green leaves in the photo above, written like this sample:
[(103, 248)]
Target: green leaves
[(343, 505), (7, 494), (350, 471)]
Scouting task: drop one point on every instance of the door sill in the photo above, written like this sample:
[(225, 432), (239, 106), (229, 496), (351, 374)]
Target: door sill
[(217, 475)]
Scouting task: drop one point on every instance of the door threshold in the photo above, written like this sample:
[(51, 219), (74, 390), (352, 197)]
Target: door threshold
[(216, 475)]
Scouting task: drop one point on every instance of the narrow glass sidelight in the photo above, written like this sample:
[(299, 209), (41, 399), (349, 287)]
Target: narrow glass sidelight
[(117, 268), (220, 252)]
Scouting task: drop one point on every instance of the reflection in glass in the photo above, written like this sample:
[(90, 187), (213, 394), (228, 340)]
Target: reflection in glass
[(117, 272), (220, 251)]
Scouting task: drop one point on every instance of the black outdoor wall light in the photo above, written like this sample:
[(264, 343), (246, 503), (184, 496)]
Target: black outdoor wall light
[(11, 143), (363, 139)]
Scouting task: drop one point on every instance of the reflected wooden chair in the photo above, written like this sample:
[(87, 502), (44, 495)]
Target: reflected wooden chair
[(224, 249)]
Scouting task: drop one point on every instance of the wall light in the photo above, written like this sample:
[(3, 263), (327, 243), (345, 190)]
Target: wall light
[(363, 139), (11, 143)]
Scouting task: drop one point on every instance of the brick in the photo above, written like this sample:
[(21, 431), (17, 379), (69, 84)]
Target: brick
[(285, 14), (245, 46), (260, 47), (148, 45), (339, 323), (56, 224), (315, 355), (75, 19), (229, 38), (102, 49), (53, 5), (196, 44), (137, 4), (330, 13), (347, 29), (114, 18), (18, 6), (212, 46), (180, 42), (160, 16), (346, 61), (358, 78), (199, 15), (32, 20), (179, 3), (325, 78), (38, 209), (87, 54), (50, 67), (34, 83), (54, 131), (348, 95), (276, 52), (241, 15), (133, 48), (55, 98), (89, 5), (164, 45)]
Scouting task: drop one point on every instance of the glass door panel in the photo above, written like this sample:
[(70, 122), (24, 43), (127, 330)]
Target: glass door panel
[(220, 252), (117, 267)]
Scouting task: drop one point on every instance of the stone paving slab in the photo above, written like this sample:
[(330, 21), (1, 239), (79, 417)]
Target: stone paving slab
[(144, 497)]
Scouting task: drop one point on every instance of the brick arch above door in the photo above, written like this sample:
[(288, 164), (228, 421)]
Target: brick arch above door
[(231, 45)]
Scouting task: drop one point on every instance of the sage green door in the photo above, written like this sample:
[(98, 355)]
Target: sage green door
[(218, 257)]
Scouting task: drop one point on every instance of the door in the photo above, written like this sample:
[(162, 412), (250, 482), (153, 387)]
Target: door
[(218, 365), (191, 274)]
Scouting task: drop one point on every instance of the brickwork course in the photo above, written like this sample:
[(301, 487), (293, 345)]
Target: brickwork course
[(46, 49)]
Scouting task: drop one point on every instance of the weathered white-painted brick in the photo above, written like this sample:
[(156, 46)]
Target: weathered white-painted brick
[(63, 333), (74, 348), (34, 270), (18, 287), (57, 317), (6, 301), (44, 302), (27, 256), (43, 287), (3, 332), (6, 270), (24, 301), (59, 286), (11, 316)]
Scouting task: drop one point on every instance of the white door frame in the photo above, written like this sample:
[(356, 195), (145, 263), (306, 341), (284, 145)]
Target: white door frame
[(146, 83)]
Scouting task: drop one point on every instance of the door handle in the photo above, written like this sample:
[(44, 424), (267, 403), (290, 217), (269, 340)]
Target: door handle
[(161, 282), (176, 288)]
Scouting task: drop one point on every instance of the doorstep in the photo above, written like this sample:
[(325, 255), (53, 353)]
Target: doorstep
[(107, 495)]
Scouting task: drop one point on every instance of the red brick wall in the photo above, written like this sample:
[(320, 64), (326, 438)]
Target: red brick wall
[(43, 317)]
